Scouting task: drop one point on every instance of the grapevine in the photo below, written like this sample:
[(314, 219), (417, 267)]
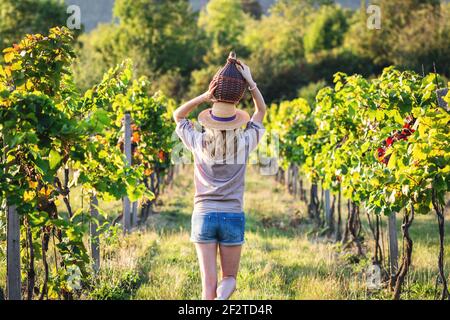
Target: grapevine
[(384, 142)]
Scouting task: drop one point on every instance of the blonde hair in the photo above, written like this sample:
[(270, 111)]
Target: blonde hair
[(220, 145)]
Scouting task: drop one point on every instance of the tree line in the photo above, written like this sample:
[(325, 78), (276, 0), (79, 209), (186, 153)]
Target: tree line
[(293, 50)]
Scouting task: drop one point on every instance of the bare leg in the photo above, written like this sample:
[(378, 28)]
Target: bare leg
[(207, 255), (230, 257)]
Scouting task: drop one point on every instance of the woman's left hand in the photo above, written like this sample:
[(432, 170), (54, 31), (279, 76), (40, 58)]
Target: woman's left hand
[(246, 73)]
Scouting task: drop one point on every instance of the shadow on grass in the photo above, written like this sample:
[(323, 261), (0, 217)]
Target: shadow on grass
[(285, 279), (126, 285), (145, 262)]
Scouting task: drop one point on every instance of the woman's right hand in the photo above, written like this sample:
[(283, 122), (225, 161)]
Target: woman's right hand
[(208, 96), (246, 73), (183, 111)]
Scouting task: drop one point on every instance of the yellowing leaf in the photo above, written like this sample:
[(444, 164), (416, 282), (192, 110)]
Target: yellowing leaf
[(54, 158), (418, 154), (9, 57), (29, 84), (16, 66), (29, 196), (422, 130), (33, 184), (8, 71), (374, 182), (45, 193), (10, 158), (392, 161)]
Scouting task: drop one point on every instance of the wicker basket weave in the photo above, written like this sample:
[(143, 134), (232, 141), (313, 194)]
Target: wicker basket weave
[(231, 84)]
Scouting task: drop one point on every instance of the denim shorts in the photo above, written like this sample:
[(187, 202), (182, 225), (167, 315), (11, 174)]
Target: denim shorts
[(218, 227)]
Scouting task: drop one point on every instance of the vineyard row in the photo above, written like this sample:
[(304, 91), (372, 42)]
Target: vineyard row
[(112, 141)]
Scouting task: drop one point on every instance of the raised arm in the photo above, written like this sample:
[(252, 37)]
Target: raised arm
[(258, 100), (183, 111)]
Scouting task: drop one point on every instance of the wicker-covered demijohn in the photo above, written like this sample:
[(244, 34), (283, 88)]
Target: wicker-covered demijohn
[(231, 84)]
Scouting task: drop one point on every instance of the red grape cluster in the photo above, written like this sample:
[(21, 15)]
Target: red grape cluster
[(403, 134)]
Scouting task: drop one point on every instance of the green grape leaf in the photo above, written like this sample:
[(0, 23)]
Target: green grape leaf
[(54, 159)]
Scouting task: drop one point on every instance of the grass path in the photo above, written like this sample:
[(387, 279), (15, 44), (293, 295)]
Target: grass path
[(279, 261)]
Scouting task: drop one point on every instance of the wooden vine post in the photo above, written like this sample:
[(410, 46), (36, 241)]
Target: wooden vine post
[(294, 181), (287, 179), (13, 255), (134, 214), (328, 209), (313, 208), (393, 246), (127, 150), (94, 234), (339, 217)]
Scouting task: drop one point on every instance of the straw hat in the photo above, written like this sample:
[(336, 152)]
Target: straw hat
[(230, 89), (223, 116)]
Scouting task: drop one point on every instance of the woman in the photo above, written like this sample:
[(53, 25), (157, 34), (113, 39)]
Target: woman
[(220, 155)]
